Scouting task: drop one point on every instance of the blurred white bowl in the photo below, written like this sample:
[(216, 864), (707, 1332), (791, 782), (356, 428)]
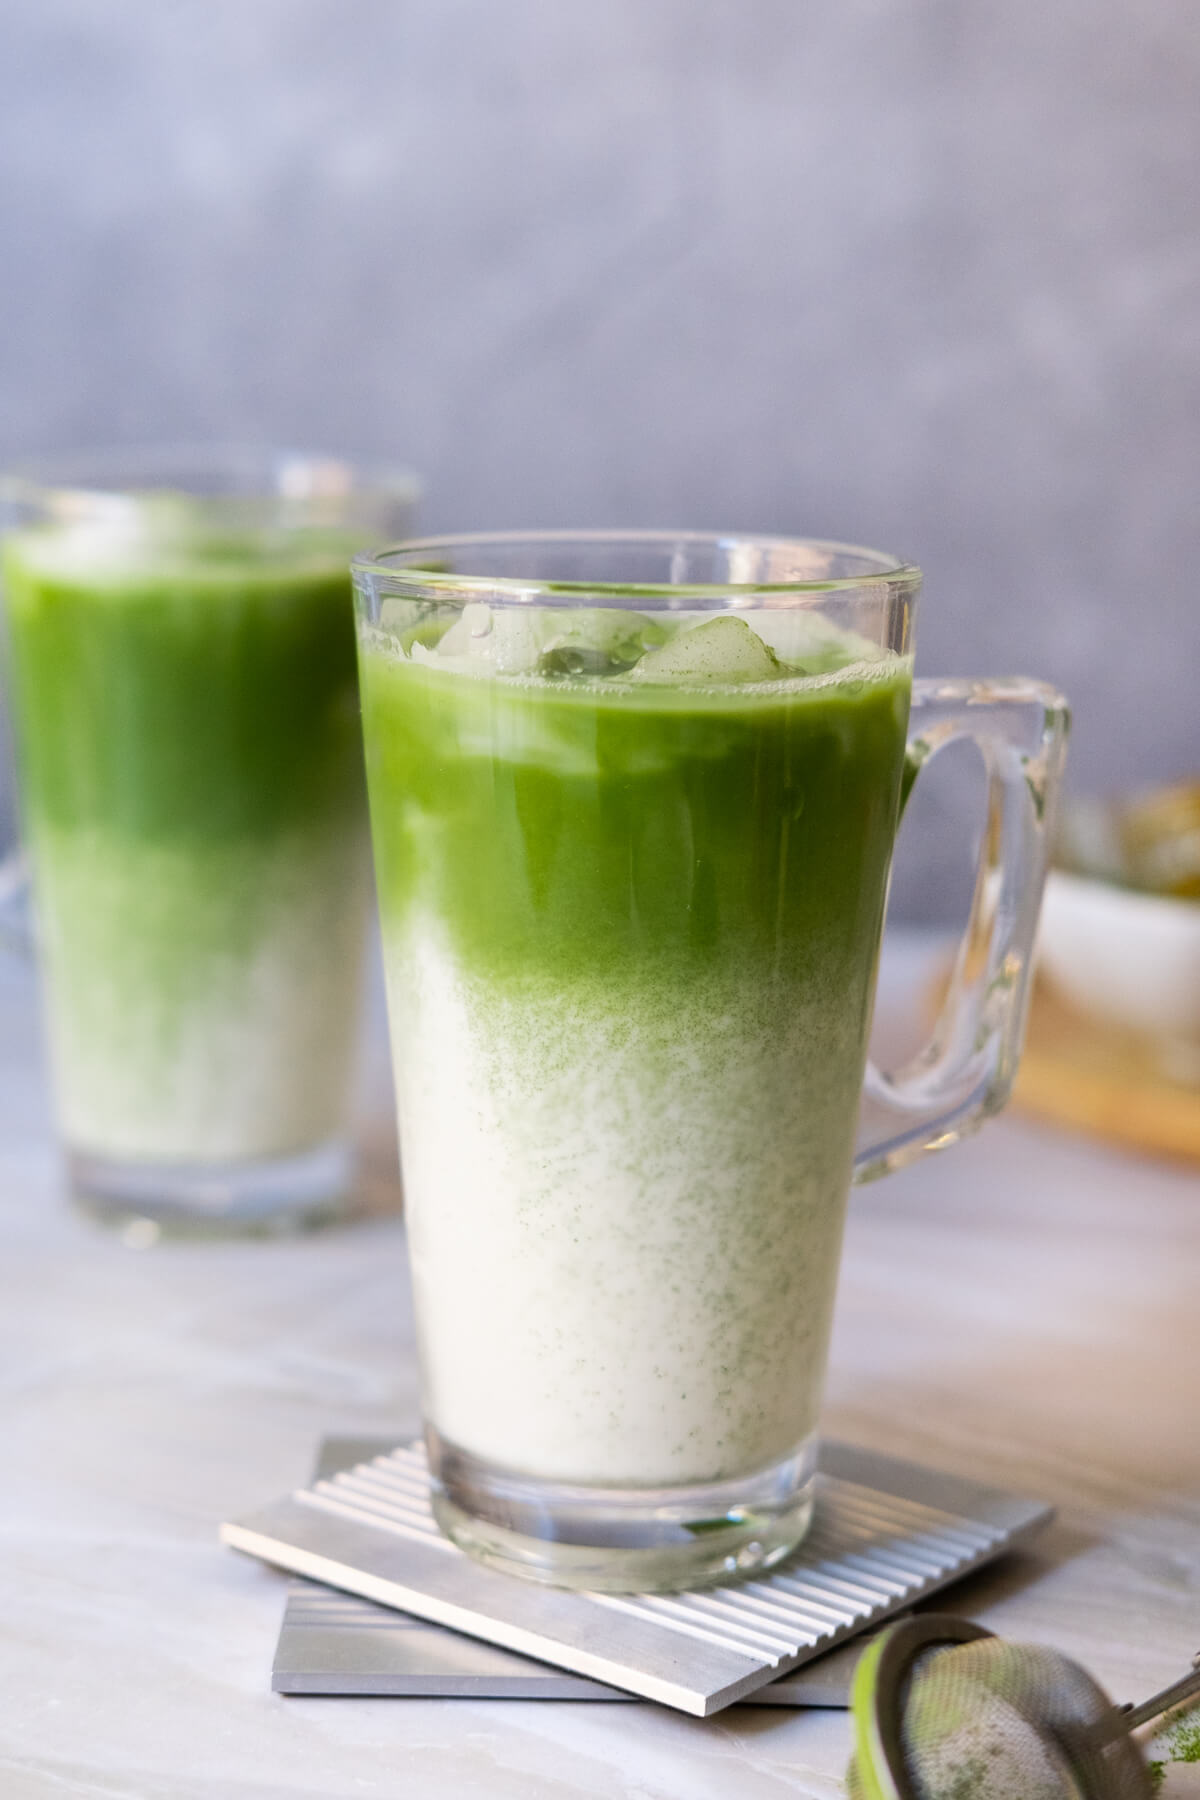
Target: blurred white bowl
[(1129, 958)]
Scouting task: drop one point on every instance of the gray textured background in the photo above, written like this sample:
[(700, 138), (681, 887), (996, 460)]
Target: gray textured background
[(921, 274)]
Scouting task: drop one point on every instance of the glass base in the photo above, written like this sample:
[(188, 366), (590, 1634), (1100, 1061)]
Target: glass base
[(263, 1196), (622, 1540)]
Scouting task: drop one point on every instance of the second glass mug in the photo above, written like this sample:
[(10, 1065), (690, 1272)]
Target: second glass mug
[(633, 801), (182, 669)]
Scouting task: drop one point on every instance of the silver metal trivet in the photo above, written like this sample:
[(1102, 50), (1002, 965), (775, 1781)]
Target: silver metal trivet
[(336, 1644), (886, 1534)]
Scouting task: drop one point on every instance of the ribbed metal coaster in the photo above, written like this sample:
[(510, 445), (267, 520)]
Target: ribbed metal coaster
[(886, 1533), (333, 1643), (338, 1645)]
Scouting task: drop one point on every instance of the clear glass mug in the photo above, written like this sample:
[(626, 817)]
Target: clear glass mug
[(180, 651), (633, 801)]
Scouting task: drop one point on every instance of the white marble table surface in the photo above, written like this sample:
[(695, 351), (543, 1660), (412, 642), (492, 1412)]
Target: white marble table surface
[(1025, 1310)]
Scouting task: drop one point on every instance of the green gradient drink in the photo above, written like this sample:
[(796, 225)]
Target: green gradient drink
[(632, 851), (183, 685)]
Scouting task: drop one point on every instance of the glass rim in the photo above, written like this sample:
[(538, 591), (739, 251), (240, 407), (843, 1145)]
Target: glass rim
[(891, 572), (100, 472)]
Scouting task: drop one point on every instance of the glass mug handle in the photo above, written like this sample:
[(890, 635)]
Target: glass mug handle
[(965, 1072)]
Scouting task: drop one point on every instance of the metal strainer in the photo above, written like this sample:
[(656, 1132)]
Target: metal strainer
[(943, 1710)]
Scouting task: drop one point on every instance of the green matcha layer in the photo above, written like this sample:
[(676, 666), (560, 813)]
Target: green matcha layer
[(631, 893), (192, 796)]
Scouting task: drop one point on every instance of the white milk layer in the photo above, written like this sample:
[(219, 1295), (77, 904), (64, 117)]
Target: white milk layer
[(625, 1211), (201, 1003)]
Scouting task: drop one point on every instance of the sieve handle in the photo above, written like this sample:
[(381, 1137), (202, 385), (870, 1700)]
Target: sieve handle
[(1129, 1717)]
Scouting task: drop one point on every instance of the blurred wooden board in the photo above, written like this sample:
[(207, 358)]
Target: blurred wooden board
[(1093, 1077), (1084, 1073)]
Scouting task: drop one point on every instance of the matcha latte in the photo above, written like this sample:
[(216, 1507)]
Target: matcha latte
[(631, 872), (192, 797)]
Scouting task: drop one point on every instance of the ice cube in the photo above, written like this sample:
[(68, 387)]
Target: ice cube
[(597, 640), (555, 641), (809, 643), (505, 639), (403, 619), (722, 650)]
